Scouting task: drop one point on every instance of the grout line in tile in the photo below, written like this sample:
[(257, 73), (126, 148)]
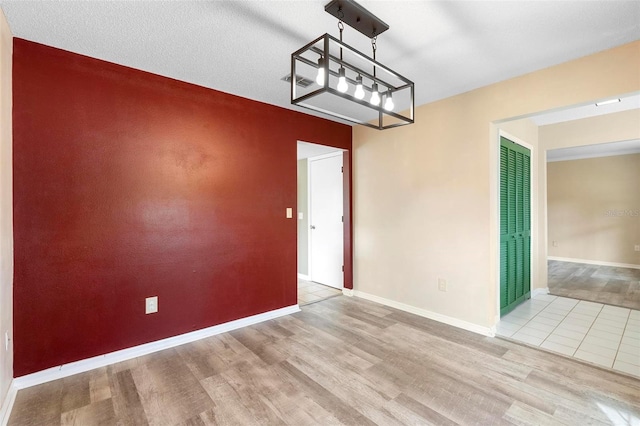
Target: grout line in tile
[(620, 342)]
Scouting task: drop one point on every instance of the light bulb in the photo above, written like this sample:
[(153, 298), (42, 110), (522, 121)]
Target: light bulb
[(388, 104), (375, 96), (359, 93), (342, 81), (320, 76)]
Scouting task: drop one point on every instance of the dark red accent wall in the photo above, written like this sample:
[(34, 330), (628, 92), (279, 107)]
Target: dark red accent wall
[(129, 185)]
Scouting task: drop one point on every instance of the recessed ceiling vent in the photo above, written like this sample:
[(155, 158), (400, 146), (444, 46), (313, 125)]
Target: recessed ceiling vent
[(301, 81)]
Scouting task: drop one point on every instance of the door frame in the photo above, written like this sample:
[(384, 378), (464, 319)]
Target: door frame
[(342, 153), (533, 204)]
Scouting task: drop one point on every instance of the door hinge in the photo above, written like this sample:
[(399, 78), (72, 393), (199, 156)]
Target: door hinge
[(341, 169), (342, 219), (342, 268)]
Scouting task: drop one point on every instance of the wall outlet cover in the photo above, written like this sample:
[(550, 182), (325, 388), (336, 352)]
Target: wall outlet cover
[(442, 284), (151, 305)]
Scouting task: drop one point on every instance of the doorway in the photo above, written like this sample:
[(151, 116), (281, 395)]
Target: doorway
[(326, 220), (321, 227), (592, 218)]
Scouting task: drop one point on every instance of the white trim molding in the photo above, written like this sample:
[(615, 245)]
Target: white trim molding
[(304, 277), (347, 292), (485, 331), (9, 399), (594, 262), (81, 366), (539, 291)]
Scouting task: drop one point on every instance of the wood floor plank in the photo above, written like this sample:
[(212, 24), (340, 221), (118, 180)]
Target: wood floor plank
[(610, 285), (524, 415), (38, 405), (249, 389), (326, 398), (227, 408), (99, 388), (76, 392), (625, 388), (423, 411), (125, 398), (98, 413), (168, 391)]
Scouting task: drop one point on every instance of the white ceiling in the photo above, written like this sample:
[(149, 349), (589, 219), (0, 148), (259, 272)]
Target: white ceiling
[(244, 47)]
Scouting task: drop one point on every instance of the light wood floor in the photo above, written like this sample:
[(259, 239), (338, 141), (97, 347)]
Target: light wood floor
[(339, 361), (604, 284)]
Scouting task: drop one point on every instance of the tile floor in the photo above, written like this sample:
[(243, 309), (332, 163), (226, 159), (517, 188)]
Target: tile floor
[(309, 291), (605, 335)]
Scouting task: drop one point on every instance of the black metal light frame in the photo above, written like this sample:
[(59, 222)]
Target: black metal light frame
[(351, 13)]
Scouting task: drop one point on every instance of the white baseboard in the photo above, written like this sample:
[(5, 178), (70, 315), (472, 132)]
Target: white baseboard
[(594, 262), (304, 277), (7, 405), (81, 366), (347, 292), (485, 331), (539, 291)]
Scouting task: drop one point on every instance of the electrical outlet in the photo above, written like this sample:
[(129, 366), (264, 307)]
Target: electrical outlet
[(442, 284), (554, 243), (6, 340), (636, 247), (151, 305)]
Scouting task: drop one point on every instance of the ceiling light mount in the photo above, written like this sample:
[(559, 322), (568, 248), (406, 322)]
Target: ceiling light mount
[(349, 84), (357, 17)]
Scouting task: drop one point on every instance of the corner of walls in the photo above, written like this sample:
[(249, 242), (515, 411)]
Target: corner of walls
[(6, 216)]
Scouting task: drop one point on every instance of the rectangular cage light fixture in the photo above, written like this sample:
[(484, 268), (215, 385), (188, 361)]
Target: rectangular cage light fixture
[(347, 83)]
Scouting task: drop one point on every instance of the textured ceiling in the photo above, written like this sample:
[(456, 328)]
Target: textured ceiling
[(244, 47)]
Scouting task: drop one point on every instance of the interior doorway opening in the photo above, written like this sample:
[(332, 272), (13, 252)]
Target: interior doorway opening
[(594, 223), (572, 324), (321, 222)]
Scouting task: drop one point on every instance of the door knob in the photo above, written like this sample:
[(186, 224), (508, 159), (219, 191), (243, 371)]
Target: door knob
[(313, 227)]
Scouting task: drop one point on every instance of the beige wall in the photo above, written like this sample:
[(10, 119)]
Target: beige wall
[(303, 225), (620, 126), (425, 195), (6, 209), (593, 208)]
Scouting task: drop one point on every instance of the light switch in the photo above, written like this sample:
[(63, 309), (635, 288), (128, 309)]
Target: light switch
[(300, 215), (289, 212)]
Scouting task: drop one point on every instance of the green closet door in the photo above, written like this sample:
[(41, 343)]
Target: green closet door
[(515, 225)]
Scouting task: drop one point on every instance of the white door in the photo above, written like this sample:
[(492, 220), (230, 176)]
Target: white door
[(325, 219)]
